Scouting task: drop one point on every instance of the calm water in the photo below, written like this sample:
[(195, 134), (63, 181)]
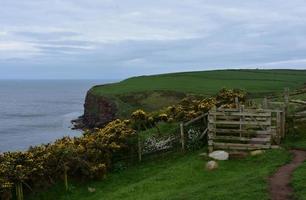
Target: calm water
[(35, 112)]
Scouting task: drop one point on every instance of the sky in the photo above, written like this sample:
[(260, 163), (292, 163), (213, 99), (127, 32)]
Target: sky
[(112, 39)]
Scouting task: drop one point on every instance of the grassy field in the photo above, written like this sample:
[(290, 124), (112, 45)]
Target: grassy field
[(178, 176), (209, 82), (157, 91)]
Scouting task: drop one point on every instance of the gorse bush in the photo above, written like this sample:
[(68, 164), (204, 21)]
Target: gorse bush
[(88, 156), (91, 155), (192, 107)]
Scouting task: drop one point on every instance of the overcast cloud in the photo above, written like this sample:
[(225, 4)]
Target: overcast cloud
[(115, 39)]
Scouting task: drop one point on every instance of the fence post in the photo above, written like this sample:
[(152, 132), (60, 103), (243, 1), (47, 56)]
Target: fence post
[(211, 129), (237, 102), (242, 119), (182, 136), (286, 99), (19, 191), (283, 126), (278, 126), (265, 103), (139, 148)]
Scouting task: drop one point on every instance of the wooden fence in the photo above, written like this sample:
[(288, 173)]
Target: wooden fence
[(245, 129)]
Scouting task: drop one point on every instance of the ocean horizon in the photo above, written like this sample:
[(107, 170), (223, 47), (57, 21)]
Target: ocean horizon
[(34, 112)]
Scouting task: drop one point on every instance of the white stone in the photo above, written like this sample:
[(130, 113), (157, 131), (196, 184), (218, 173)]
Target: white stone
[(219, 155), (256, 152), (91, 190), (211, 165)]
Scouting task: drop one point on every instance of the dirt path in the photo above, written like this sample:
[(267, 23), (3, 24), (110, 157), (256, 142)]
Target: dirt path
[(279, 183)]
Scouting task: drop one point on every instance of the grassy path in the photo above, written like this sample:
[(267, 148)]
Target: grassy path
[(297, 140), (280, 188)]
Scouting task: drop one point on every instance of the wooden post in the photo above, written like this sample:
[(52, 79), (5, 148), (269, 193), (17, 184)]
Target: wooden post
[(139, 148), (205, 122), (269, 129), (66, 177), (265, 103), (237, 102), (211, 129), (182, 136), (286, 99), (242, 119), (19, 191), (283, 125), (278, 125), (210, 134)]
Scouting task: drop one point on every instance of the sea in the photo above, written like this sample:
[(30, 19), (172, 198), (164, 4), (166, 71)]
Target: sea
[(33, 112)]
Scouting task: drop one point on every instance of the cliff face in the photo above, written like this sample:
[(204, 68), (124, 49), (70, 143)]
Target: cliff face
[(98, 111)]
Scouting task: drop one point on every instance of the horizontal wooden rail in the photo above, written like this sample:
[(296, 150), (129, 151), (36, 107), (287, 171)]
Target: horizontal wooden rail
[(276, 102), (219, 130), (261, 123), (240, 114), (244, 139), (298, 101), (241, 146)]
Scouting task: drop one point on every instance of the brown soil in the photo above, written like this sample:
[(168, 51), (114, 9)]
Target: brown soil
[(279, 183)]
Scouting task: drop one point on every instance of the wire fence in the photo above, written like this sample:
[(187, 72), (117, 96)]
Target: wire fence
[(142, 148)]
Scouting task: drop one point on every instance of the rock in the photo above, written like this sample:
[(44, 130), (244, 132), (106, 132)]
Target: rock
[(219, 155), (256, 152), (91, 190), (78, 123), (211, 165), (98, 111)]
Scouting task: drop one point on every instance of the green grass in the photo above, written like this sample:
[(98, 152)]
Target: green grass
[(154, 92), (147, 100), (297, 140), (165, 129), (299, 182), (177, 176), (209, 82)]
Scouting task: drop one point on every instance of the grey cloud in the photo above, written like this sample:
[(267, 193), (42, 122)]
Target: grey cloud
[(45, 36), (122, 38)]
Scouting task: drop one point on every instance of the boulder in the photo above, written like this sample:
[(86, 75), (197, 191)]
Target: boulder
[(211, 165), (256, 152), (219, 155)]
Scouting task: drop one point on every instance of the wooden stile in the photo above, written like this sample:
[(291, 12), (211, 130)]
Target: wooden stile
[(241, 128)]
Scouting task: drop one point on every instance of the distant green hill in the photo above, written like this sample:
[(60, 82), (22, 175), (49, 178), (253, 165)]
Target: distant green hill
[(156, 91), (209, 82)]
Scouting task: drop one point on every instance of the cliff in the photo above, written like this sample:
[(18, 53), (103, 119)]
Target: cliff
[(98, 110)]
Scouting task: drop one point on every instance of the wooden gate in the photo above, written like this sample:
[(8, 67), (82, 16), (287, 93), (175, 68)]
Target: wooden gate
[(243, 129)]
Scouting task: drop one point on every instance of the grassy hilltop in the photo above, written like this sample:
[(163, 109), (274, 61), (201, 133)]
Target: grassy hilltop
[(209, 82), (156, 91)]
